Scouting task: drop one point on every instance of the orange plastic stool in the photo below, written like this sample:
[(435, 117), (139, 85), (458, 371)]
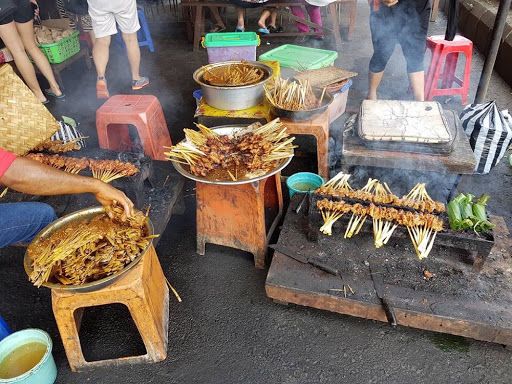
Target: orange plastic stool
[(144, 112), (239, 216), (318, 127), (445, 55), (143, 290)]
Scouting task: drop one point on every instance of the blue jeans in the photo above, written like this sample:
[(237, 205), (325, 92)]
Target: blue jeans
[(21, 222)]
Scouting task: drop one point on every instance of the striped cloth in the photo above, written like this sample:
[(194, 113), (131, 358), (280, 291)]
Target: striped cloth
[(489, 132)]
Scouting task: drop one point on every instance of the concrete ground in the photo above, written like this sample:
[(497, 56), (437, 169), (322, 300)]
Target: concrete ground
[(226, 330)]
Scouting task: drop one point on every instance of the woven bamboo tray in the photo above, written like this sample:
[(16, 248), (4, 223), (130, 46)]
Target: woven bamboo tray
[(25, 122)]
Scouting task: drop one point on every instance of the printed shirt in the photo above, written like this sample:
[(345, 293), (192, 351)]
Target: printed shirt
[(6, 159)]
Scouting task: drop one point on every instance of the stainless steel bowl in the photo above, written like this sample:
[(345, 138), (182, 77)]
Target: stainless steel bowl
[(233, 98), (84, 214), (230, 130)]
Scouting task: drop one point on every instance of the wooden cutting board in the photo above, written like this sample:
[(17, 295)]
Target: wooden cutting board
[(404, 121)]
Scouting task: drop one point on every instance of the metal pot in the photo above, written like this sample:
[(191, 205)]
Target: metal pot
[(302, 115), (233, 98), (84, 214)]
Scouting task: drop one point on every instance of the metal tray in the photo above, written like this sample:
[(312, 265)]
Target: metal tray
[(84, 214), (229, 130)]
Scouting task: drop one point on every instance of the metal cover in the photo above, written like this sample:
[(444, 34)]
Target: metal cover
[(403, 121)]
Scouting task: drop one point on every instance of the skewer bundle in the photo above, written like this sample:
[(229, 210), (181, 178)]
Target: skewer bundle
[(292, 95), (90, 250), (58, 146), (110, 170), (249, 153), (105, 170), (416, 211), (233, 75)]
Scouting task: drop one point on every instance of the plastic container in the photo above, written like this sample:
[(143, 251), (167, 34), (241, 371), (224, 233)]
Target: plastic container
[(44, 372), (229, 46), (303, 182), (4, 329), (300, 58), (339, 102), (62, 49), (198, 94)]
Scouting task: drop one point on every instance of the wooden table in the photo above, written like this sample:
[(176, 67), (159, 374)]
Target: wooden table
[(457, 300), (460, 162)]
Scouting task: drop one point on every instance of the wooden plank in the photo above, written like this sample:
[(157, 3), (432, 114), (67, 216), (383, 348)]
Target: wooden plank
[(461, 160), (457, 300)]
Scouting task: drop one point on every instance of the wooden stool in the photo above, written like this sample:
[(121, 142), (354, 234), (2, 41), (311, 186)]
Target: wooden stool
[(236, 215), (144, 112), (143, 290), (318, 127)]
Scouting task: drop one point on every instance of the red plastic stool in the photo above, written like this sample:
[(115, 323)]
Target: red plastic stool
[(445, 55), (144, 112)]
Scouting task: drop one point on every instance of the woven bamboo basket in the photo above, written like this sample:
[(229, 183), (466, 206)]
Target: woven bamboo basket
[(24, 121)]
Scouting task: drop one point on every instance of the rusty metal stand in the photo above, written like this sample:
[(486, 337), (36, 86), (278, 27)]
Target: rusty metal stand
[(239, 216)]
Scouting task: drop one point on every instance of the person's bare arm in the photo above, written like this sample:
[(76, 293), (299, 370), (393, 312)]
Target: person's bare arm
[(29, 176)]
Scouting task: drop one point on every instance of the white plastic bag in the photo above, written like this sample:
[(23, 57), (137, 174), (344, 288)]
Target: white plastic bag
[(489, 132)]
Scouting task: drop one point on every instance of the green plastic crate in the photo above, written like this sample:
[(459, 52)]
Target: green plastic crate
[(300, 58), (62, 49), (230, 39)]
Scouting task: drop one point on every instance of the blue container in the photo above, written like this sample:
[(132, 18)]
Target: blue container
[(4, 329), (198, 94), (45, 372), (303, 182)]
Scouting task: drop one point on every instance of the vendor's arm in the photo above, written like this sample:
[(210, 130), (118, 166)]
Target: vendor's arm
[(29, 176)]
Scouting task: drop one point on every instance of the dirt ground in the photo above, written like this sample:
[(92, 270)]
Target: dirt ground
[(227, 330)]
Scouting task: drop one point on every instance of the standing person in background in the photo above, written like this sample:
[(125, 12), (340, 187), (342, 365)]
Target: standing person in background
[(105, 14), (17, 33), (403, 22), (313, 9), (82, 21)]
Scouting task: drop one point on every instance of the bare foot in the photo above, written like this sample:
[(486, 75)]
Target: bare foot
[(371, 96)]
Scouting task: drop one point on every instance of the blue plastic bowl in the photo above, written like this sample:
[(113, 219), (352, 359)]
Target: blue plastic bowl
[(303, 182), (4, 329), (45, 372)]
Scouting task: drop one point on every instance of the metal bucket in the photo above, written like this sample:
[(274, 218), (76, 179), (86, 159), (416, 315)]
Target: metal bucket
[(84, 214), (233, 98)]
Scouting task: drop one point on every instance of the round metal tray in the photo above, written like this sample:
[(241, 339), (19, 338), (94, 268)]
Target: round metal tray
[(83, 214), (230, 130)]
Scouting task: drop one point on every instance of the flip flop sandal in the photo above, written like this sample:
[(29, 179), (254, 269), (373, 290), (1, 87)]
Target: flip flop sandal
[(263, 31), (239, 29), (102, 90), (50, 93), (45, 102)]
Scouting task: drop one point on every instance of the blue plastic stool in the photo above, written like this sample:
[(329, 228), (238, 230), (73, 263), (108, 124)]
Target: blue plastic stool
[(4, 329), (143, 34)]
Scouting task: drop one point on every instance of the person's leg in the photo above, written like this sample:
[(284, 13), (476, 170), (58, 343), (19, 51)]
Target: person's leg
[(273, 18), (216, 17), (262, 22), (417, 80), (315, 16), (12, 40), (299, 12), (240, 23), (383, 47), (133, 51), (100, 54), (21, 222), (26, 32)]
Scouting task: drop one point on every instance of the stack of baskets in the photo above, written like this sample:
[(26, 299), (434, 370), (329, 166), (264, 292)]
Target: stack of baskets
[(24, 121)]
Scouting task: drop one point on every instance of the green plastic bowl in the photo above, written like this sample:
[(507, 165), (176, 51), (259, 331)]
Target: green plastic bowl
[(303, 182)]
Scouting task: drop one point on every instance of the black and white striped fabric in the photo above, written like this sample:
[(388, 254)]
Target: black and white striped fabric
[(489, 132), (68, 131)]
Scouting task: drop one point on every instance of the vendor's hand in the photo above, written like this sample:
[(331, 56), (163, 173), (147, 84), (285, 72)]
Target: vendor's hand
[(108, 195), (390, 3)]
